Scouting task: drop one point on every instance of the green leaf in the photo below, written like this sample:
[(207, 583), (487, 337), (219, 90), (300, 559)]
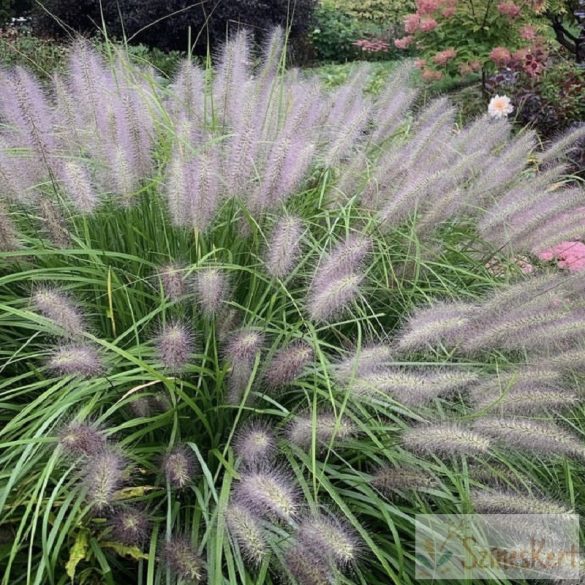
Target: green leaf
[(77, 553), (125, 551)]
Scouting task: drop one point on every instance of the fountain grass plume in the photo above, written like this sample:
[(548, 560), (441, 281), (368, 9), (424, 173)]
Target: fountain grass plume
[(445, 439), (247, 531), (331, 536), (211, 290), (391, 479), (57, 305), (508, 502), (76, 360), (540, 438), (103, 476), (308, 566), (327, 428), (180, 467), (287, 364), (268, 493), (173, 281), (82, 439), (284, 246), (255, 444), (175, 346), (182, 559), (362, 361), (130, 526)]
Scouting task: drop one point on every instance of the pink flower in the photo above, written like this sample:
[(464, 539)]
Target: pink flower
[(475, 65), (428, 24), (500, 56), (449, 11), (569, 255), (528, 33), (509, 9), (427, 6), (465, 69), (443, 57), (404, 42), (411, 23), (431, 75), (420, 63)]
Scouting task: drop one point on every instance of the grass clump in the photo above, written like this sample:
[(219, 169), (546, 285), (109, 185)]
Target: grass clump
[(254, 315)]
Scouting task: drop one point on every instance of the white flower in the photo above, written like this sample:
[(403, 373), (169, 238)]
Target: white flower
[(500, 106)]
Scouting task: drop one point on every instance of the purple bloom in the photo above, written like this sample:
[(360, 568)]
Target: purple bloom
[(180, 467), (80, 360), (175, 346)]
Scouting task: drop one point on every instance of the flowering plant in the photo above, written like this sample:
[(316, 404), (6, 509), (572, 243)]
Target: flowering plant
[(463, 37)]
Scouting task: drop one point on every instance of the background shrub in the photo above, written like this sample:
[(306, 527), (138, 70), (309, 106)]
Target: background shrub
[(165, 23)]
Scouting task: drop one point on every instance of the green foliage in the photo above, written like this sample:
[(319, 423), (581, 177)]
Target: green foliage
[(6, 10), (380, 12), (47, 56), (333, 34)]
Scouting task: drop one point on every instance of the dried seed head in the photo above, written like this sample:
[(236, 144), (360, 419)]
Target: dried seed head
[(80, 360), (180, 467), (130, 526), (332, 298), (82, 439), (211, 289), (255, 444), (244, 345), (181, 557), (173, 281), (331, 536), (389, 479), (537, 437), (505, 502), (288, 364), (308, 566), (327, 428), (103, 476), (284, 246), (445, 439), (364, 360), (175, 346), (58, 307), (268, 493), (247, 532)]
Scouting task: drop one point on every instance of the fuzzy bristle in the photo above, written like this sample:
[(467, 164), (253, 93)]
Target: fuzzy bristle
[(175, 346), (211, 290), (103, 476), (181, 557), (445, 439), (255, 444), (247, 532), (284, 246), (77, 360), (243, 345), (130, 526), (506, 502), (533, 436), (327, 428), (173, 281), (58, 307), (331, 536), (82, 439), (389, 479), (269, 494), (288, 364), (179, 467), (308, 566)]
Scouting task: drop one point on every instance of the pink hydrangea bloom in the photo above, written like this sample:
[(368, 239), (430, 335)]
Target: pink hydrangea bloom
[(443, 57), (411, 23), (500, 56), (428, 24), (569, 255), (509, 9), (404, 42)]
